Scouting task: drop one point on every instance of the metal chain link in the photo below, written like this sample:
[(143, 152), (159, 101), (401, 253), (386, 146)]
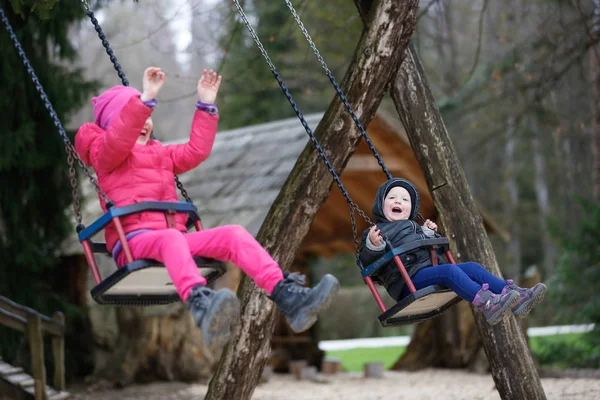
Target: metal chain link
[(341, 94), (106, 45), (121, 74), (352, 207), (71, 152)]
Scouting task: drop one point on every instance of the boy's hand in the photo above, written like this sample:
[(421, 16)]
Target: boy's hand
[(154, 78), (429, 224), (208, 86), (374, 235)]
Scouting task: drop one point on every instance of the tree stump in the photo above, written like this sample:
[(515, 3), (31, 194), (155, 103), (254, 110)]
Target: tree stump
[(331, 366), (296, 367), (374, 370), (267, 374), (308, 373)]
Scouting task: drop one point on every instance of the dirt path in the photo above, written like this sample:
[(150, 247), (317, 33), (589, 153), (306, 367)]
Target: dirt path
[(423, 385)]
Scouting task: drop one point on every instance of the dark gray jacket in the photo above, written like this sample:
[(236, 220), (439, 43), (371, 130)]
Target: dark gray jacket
[(399, 233)]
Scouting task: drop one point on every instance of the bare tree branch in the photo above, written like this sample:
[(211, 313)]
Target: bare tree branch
[(479, 39)]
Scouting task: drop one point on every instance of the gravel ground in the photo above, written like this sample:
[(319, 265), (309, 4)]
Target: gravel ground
[(423, 385)]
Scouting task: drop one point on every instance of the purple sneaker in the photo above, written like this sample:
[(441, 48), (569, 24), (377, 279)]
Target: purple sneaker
[(529, 297), (494, 306)]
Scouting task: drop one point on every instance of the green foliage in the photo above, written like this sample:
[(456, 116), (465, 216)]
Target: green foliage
[(566, 351), (574, 289), (43, 8), (249, 92), (35, 191)]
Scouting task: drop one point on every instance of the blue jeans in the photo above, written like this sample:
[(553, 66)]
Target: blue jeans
[(464, 279)]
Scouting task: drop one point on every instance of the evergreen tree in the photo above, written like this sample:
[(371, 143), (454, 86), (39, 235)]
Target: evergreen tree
[(249, 93), (35, 192)]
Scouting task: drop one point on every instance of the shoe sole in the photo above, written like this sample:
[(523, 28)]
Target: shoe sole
[(327, 289), (537, 298), (507, 308), (223, 311)]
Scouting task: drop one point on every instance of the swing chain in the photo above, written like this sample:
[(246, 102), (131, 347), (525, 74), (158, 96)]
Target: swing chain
[(352, 207), (72, 153), (351, 204), (184, 192), (106, 45), (338, 90), (74, 189)]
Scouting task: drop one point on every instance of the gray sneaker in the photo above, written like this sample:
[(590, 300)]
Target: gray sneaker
[(495, 306), (301, 305), (529, 297), (213, 312)]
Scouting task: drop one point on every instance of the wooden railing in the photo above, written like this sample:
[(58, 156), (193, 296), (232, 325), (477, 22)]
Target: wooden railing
[(34, 325)]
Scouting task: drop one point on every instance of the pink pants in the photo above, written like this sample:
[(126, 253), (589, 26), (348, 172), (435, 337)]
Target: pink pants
[(225, 243)]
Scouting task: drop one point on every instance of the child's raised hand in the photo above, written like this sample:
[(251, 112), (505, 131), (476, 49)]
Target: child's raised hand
[(154, 78), (431, 225), (374, 235), (208, 86)]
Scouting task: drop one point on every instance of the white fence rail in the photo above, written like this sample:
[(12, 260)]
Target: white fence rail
[(329, 345)]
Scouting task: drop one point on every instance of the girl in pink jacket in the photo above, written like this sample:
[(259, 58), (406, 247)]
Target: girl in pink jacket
[(132, 167)]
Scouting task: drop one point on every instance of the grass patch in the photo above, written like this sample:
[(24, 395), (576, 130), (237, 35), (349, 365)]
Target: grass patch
[(560, 351), (354, 359)]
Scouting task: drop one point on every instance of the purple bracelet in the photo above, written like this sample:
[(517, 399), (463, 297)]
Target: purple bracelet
[(209, 108), (151, 103)]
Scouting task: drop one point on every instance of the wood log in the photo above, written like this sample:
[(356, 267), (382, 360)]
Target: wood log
[(58, 353), (331, 366), (36, 347), (504, 344), (267, 374), (308, 373), (378, 52), (296, 367), (374, 370)]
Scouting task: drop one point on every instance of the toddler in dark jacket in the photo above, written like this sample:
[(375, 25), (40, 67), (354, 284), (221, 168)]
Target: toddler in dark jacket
[(395, 207)]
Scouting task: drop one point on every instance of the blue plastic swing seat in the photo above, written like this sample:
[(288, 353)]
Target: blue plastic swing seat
[(425, 303), (143, 282)]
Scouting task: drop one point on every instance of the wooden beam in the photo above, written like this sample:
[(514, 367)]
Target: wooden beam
[(377, 56), (13, 321), (511, 363)]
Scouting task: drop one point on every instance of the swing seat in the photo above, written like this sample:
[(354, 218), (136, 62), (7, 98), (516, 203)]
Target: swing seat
[(421, 305), (141, 282)]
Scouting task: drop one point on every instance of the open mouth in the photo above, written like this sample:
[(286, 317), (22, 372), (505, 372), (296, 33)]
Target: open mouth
[(396, 209)]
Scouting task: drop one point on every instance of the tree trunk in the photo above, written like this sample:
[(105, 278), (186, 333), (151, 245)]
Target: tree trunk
[(376, 58), (542, 197), (512, 366), (595, 79), (514, 264)]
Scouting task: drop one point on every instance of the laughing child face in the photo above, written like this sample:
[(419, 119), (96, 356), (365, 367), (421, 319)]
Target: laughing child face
[(397, 204)]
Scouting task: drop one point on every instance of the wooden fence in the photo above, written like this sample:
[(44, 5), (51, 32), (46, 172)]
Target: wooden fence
[(34, 325)]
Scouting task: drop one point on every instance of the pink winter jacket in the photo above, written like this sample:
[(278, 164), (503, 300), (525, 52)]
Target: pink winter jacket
[(131, 173)]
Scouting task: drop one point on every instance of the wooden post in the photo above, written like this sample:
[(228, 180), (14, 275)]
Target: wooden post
[(373, 370), (36, 346), (378, 53), (296, 367), (58, 353), (331, 365), (308, 373)]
